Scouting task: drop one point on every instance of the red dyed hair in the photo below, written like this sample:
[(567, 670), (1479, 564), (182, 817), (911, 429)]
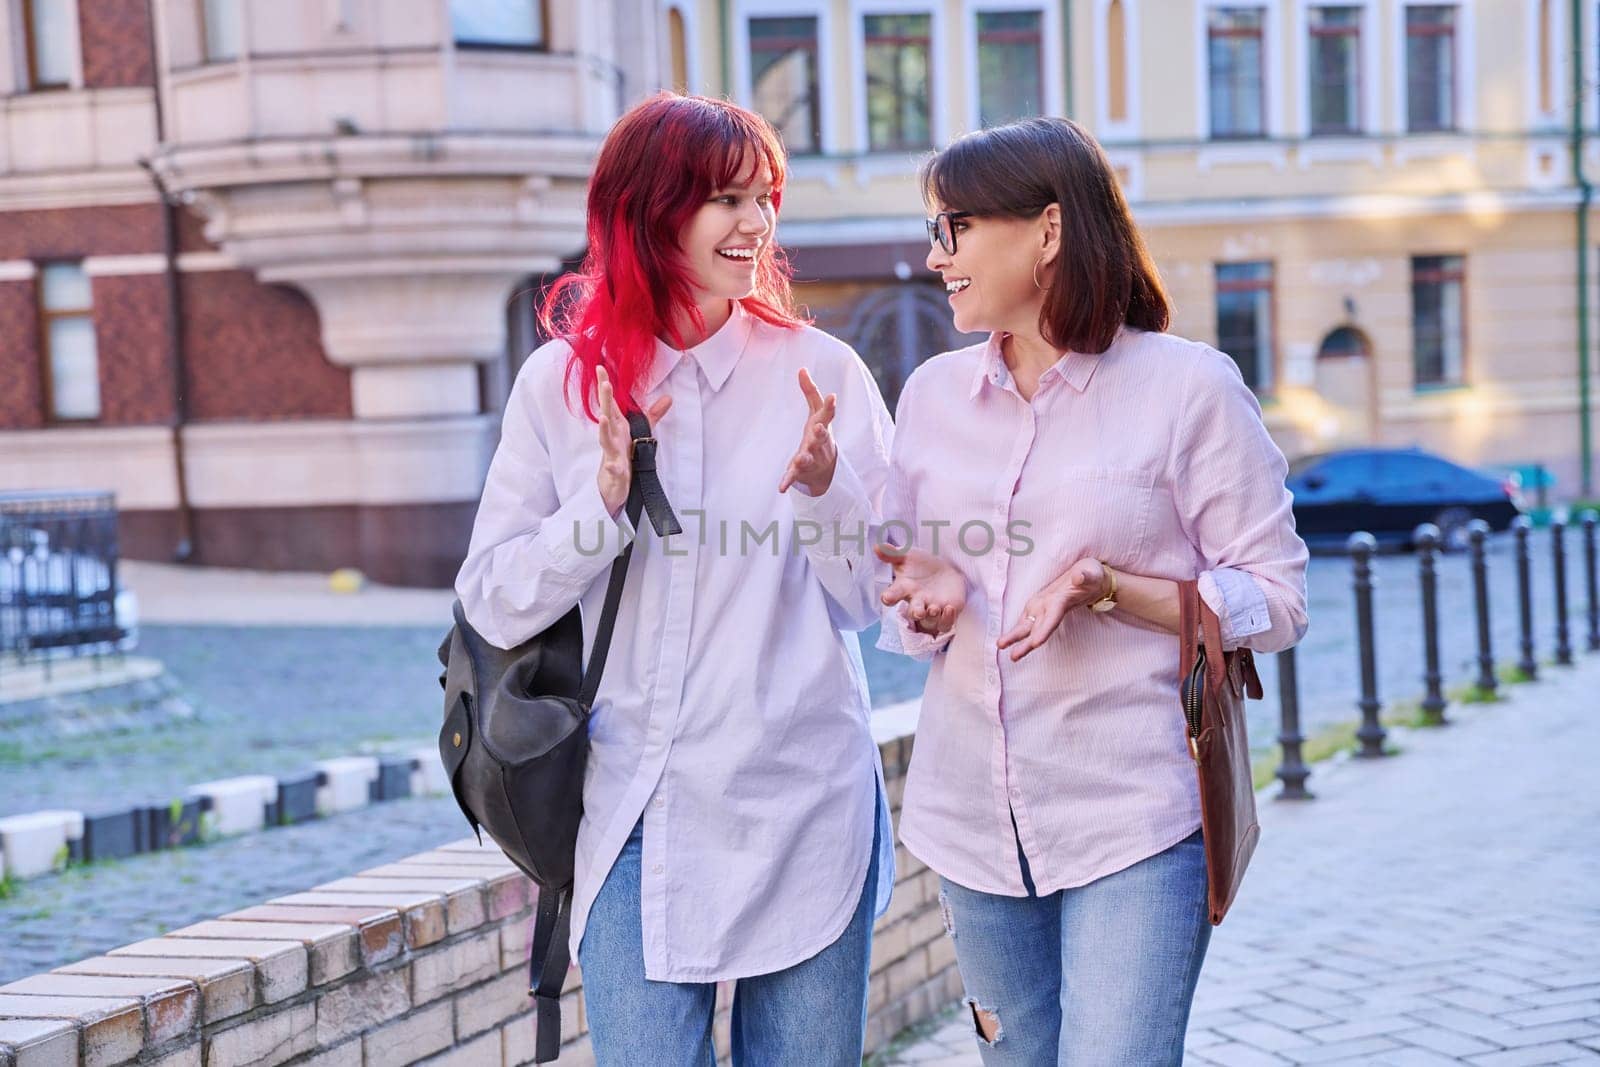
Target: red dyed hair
[(659, 164)]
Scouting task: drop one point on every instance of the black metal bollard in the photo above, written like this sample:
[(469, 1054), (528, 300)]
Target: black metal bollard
[(1426, 539), (1292, 772), (1371, 733), (1591, 582), (1477, 535), (1558, 561), (1520, 526)]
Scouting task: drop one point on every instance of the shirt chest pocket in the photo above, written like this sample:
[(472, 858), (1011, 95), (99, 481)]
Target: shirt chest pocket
[(1102, 512)]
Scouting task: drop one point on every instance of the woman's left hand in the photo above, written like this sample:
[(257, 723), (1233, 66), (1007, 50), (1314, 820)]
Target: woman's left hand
[(813, 462), (1083, 583)]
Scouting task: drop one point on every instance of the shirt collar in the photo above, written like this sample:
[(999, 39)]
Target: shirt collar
[(717, 355), (1075, 368)]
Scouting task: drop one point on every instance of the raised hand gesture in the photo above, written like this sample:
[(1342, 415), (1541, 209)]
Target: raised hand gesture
[(616, 444), (814, 461), (931, 590)]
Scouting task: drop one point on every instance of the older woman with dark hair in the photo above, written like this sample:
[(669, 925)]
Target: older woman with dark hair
[(1071, 471)]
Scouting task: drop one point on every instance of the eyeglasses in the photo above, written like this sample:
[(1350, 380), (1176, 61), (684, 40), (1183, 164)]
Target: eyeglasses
[(942, 229)]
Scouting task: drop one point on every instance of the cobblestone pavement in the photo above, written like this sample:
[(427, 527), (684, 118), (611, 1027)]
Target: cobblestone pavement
[(1441, 906)]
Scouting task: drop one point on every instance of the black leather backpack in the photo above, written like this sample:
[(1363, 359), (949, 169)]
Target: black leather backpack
[(515, 743)]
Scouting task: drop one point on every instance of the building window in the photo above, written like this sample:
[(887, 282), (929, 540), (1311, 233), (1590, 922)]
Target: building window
[(899, 110), (784, 81), (49, 37), (1244, 320), (1430, 68), (1238, 72), (72, 365), (1117, 62), (222, 29), (1335, 70), (497, 23), (1438, 320), (1010, 66)]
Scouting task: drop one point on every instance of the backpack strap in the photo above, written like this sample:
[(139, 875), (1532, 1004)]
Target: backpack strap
[(549, 956), (645, 495), (548, 960)]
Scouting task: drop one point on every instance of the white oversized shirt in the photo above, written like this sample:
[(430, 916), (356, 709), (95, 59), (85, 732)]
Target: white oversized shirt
[(732, 714)]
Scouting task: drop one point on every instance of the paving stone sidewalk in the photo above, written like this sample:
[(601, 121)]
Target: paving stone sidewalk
[(1441, 906)]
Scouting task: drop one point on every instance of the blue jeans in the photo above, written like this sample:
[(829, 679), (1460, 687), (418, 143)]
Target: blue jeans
[(1097, 976), (813, 1014)]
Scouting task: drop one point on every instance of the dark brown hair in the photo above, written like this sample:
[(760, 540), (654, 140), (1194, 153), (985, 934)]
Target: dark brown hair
[(1103, 276)]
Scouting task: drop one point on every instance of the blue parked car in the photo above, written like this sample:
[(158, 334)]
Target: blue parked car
[(1389, 492)]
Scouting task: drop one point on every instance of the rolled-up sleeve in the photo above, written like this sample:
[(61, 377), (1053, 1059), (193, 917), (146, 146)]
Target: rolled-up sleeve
[(532, 555), (838, 541), (1228, 481)]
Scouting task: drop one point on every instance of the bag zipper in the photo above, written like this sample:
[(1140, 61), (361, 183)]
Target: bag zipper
[(1193, 693)]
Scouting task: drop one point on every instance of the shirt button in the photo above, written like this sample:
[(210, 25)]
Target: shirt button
[(657, 869), (660, 802), (1016, 794)]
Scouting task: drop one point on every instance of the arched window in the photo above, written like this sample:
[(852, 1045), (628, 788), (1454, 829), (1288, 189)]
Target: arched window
[(899, 326), (1343, 342), (1116, 62), (678, 47)]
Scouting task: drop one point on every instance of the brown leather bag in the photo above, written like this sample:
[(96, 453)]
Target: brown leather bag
[(1213, 686)]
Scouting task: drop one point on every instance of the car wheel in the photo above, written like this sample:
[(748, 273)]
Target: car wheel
[(1453, 533)]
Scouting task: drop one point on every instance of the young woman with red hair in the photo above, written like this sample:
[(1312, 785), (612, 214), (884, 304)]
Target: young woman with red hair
[(734, 826)]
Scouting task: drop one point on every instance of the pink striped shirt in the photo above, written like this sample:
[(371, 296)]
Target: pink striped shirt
[(1152, 457)]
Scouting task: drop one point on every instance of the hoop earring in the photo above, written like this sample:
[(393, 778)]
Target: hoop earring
[(1036, 265)]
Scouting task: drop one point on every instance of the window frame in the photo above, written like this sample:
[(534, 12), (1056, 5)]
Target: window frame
[(1269, 387), (1439, 276), (1051, 81), (1453, 90), (1360, 32), (816, 86), (1465, 72), (26, 52), (938, 88), (866, 93), (743, 83), (1271, 99), (542, 45), (44, 317)]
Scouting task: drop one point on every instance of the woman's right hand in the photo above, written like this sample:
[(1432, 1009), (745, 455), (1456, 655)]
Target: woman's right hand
[(931, 588), (616, 444)]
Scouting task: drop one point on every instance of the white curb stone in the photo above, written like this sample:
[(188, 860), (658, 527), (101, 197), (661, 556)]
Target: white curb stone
[(33, 844), (349, 781), (238, 805), (429, 777)]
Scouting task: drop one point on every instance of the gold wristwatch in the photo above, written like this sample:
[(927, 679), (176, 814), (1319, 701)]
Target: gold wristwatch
[(1109, 601)]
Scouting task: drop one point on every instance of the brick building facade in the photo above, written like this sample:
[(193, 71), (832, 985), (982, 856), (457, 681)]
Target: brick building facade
[(297, 363)]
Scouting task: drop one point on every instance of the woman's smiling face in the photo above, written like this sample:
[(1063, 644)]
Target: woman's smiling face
[(725, 239), (989, 279)]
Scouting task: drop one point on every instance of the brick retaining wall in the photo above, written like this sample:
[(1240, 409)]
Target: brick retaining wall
[(419, 961)]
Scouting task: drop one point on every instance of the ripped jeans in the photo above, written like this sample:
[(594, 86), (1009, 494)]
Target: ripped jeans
[(1101, 975)]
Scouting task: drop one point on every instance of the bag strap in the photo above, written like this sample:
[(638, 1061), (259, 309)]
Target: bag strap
[(645, 495), (1188, 627), (548, 960)]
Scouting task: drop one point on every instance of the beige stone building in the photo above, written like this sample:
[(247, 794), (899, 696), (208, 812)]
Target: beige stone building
[(1370, 204)]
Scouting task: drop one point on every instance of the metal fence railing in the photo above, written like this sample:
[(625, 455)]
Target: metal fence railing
[(58, 577)]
